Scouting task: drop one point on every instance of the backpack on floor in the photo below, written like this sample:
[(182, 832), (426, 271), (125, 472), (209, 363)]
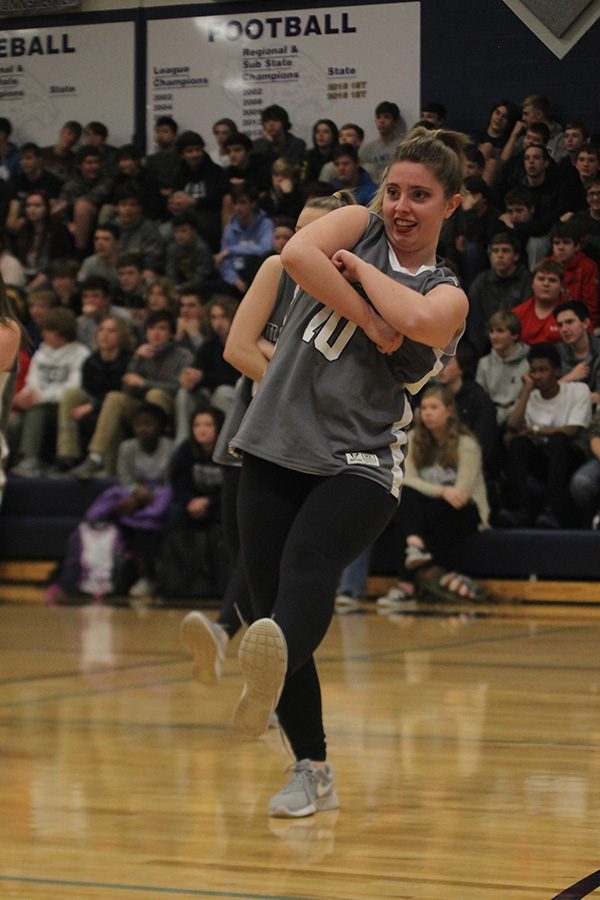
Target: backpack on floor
[(96, 561)]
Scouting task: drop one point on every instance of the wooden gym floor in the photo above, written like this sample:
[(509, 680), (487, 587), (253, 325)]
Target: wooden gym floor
[(466, 746)]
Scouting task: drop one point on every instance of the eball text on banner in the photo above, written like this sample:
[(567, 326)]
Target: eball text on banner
[(81, 72), (336, 63)]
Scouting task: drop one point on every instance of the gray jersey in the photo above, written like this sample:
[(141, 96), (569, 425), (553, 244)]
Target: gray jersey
[(330, 402), (243, 388)]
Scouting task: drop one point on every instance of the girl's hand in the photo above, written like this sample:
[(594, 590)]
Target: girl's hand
[(455, 497), (347, 264), (384, 336)]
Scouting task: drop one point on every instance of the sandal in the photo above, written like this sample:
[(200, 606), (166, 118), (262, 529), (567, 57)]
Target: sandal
[(462, 586), (440, 585)]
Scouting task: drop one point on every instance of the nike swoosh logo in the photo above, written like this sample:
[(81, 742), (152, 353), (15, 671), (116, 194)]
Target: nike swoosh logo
[(323, 789)]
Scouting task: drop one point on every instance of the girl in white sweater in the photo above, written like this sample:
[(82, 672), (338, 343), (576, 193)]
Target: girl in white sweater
[(444, 493)]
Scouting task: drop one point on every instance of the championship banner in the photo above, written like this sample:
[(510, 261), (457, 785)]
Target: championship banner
[(336, 63), (81, 72)]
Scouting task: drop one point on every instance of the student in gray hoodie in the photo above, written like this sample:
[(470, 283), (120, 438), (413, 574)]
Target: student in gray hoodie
[(500, 372)]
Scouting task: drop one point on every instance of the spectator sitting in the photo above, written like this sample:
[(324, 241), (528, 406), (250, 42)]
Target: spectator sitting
[(164, 163), (580, 273), (103, 263), (200, 185), (55, 366), (247, 238), (352, 134), (574, 137), (536, 314), (481, 223), (222, 130), (190, 332), (138, 234), (278, 141), (153, 377), (133, 177), (61, 275), (543, 431), (491, 140), (79, 407), (33, 178), (536, 108), (544, 191), (196, 484), (95, 306), (587, 165), (161, 293), (349, 174), (129, 294), (520, 219), (286, 197), (474, 162), (444, 492), (141, 500), (195, 479), (245, 169), (209, 380), (38, 304), (497, 289), (190, 263), (475, 408), (575, 182), (40, 239), (500, 372), (82, 196), (579, 350), (325, 139), (589, 221), (95, 134), (585, 483), (391, 130), (283, 229), (59, 158), (509, 171)]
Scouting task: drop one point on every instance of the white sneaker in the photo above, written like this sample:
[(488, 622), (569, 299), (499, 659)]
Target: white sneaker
[(346, 603), (396, 599), (263, 661), (142, 588), (415, 557), (206, 641)]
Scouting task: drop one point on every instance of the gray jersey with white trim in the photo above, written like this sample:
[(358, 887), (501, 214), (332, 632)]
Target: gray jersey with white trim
[(243, 389), (330, 402)]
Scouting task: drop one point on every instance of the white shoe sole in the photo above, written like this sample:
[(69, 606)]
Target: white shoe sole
[(417, 562), (263, 661), (329, 801), (385, 605), (197, 636)]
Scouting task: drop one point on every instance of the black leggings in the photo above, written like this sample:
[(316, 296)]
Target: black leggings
[(236, 607), (298, 532)]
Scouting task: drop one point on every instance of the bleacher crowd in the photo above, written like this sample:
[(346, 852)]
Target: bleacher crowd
[(126, 272)]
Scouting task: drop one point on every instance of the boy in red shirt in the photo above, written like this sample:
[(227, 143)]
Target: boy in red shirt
[(536, 314)]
